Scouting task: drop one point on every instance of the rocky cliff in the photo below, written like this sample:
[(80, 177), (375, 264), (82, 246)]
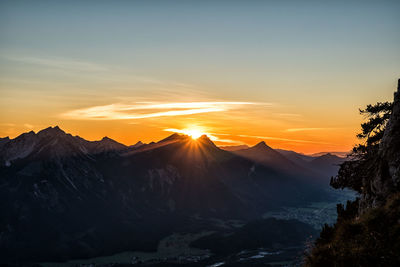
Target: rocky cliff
[(386, 180), (367, 230)]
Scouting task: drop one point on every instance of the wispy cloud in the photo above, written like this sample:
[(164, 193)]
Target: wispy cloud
[(120, 78), (8, 124), (143, 110), (284, 139), (289, 115), (60, 63), (305, 129)]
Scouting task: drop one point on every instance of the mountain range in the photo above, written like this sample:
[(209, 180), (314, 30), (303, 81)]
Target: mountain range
[(64, 197)]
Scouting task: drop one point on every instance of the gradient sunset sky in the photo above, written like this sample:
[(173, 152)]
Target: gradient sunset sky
[(291, 73)]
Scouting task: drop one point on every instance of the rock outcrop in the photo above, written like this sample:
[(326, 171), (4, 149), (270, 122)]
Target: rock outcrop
[(387, 178), (367, 230)]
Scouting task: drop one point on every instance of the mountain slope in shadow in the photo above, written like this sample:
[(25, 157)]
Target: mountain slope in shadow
[(63, 197)]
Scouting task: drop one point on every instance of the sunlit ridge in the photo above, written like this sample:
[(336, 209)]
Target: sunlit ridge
[(193, 132)]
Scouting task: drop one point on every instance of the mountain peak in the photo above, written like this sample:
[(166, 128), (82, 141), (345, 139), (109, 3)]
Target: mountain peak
[(174, 137), (106, 138), (205, 137), (107, 144), (29, 134), (205, 140), (51, 131), (138, 144), (261, 144)]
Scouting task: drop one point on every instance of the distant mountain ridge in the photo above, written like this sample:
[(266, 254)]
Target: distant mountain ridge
[(64, 144), (137, 145), (325, 164), (264, 154), (234, 148), (341, 154), (65, 197), (108, 144), (22, 146)]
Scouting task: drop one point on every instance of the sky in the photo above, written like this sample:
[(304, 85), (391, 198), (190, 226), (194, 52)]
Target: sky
[(290, 73)]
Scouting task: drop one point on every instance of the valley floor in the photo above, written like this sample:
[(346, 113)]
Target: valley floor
[(316, 213), (176, 249)]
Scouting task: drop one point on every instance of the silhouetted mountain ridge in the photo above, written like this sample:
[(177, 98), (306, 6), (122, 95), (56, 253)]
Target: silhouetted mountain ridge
[(234, 148), (65, 197), (265, 155)]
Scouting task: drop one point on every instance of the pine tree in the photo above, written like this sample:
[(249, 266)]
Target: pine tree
[(358, 167)]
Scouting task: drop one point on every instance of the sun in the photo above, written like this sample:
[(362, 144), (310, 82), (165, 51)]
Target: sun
[(194, 133)]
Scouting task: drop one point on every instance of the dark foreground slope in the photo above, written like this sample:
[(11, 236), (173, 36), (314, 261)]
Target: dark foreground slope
[(367, 231), (62, 197)]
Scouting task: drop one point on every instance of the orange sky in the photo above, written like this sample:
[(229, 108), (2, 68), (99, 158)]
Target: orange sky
[(309, 121), (227, 123), (291, 75)]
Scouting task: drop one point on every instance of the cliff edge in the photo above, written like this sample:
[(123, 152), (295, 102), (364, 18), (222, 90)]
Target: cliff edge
[(367, 230)]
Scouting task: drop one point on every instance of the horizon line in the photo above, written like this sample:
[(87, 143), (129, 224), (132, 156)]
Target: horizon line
[(179, 133)]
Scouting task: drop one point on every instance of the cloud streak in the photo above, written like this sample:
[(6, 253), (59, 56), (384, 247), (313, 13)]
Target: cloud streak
[(143, 110), (80, 67), (60, 63), (305, 129), (284, 139)]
